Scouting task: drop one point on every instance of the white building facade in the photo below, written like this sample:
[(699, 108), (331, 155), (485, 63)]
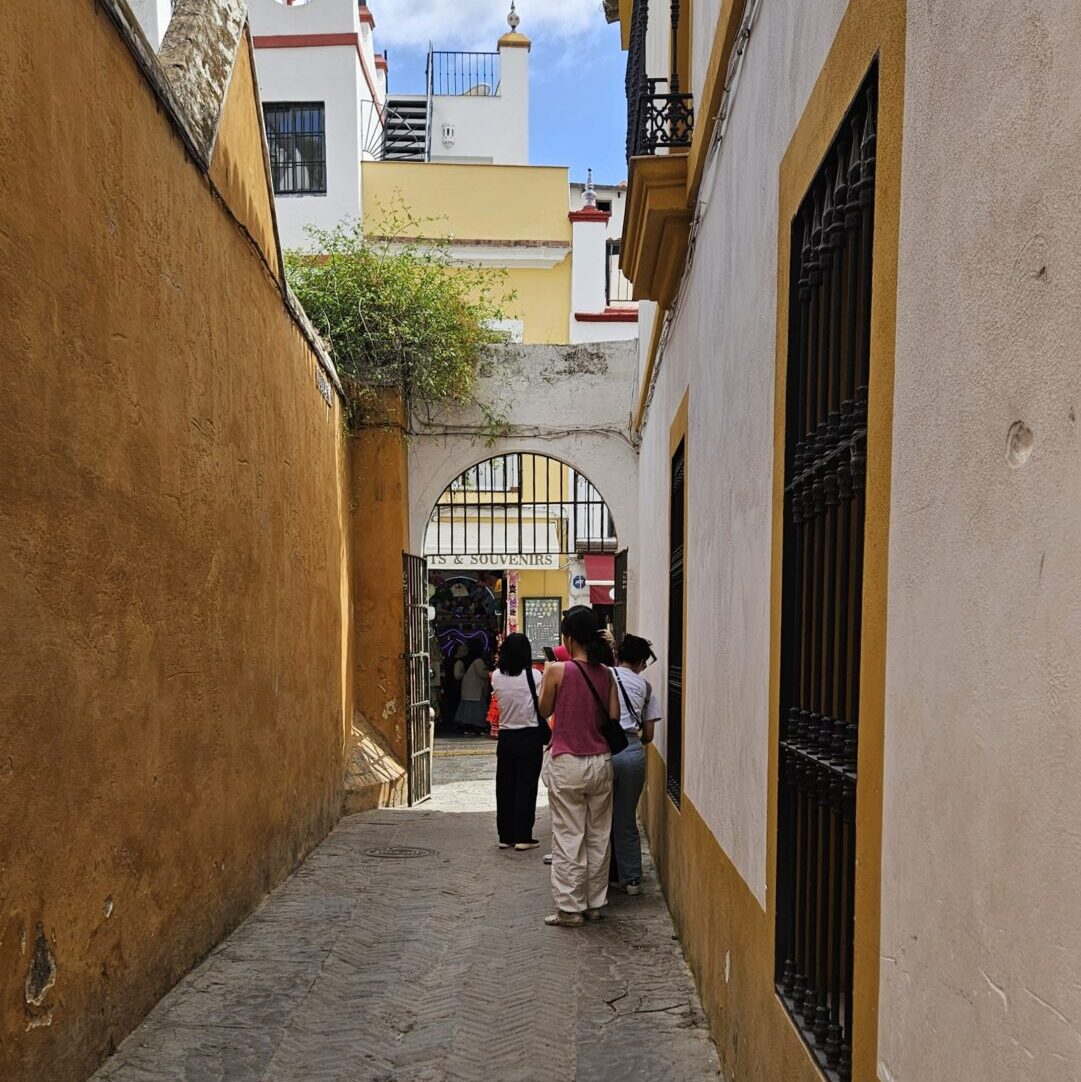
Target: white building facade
[(941, 757), (323, 89)]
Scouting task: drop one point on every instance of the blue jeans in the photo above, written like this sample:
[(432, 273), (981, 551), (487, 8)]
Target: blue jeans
[(629, 777)]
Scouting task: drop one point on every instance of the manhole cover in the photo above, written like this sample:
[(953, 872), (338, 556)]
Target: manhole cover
[(400, 852)]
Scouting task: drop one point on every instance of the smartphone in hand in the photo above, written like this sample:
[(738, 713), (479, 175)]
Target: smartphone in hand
[(549, 653)]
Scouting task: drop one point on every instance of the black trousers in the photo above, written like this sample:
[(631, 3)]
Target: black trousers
[(517, 772)]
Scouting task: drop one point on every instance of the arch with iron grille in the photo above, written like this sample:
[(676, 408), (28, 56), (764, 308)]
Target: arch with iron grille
[(518, 505)]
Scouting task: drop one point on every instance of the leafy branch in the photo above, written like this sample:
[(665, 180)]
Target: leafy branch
[(398, 312)]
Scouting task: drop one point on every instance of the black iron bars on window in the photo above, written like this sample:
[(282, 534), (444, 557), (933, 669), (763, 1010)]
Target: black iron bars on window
[(677, 592), (829, 334)]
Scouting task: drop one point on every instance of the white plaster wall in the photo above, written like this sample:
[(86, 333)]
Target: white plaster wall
[(586, 331), (703, 29), (723, 347), (981, 918), (588, 255), (315, 17), (492, 128), (658, 37), (572, 403), (330, 74), (153, 16)]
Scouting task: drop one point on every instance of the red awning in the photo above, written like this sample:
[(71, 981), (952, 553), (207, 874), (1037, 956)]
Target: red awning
[(601, 576)]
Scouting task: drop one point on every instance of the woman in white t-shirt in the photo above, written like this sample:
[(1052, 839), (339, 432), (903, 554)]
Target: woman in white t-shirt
[(519, 751), (639, 711)]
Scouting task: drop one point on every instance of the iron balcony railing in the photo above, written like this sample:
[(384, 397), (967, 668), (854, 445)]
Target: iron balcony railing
[(663, 119), (617, 290), (660, 116), (462, 74)]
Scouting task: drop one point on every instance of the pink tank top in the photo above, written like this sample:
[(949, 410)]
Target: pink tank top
[(577, 730)]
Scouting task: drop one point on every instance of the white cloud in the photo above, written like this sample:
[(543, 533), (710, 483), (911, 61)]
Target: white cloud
[(451, 24)]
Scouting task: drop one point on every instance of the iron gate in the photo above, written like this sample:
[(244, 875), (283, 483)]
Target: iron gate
[(619, 608), (417, 677)]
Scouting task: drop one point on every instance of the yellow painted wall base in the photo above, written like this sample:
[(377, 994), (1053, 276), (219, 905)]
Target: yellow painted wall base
[(727, 939)]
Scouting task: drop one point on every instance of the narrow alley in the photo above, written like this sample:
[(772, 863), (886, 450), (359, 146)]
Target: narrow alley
[(408, 947)]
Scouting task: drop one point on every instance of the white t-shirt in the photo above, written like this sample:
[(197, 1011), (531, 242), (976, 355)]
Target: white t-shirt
[(473, 681), (642, 696), (515, 700)]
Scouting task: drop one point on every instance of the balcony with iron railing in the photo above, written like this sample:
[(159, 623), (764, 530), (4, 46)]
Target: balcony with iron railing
[(663, 119), (660, 133), (462, 74)]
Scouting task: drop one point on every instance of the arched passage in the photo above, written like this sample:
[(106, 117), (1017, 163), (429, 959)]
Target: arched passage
[(511, 541)]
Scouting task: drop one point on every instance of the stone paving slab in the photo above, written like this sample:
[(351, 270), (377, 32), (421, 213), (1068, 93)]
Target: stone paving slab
[(433, 968)]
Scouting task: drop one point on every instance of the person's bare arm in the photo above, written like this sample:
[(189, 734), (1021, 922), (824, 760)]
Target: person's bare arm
[(613, 700), (549, 689), (647, 732)]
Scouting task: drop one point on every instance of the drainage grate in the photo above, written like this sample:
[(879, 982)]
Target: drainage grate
[(400, 852)]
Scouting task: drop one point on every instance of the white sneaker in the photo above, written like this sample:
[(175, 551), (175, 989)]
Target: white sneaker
[(632, 887), (563, 919)]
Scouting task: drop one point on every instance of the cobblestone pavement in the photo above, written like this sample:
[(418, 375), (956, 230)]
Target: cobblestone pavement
[(430, 968)]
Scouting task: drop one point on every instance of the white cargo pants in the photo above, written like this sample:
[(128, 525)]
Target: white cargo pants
[(580, 798)]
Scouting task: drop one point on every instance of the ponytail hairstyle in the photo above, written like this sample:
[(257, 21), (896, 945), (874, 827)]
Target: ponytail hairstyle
[(635, 650), (580, 625)]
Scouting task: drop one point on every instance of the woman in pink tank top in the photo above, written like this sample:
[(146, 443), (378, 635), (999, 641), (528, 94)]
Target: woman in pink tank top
[(578, 770)]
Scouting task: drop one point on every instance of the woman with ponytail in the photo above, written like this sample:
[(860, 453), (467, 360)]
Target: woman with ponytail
[(578, 770)]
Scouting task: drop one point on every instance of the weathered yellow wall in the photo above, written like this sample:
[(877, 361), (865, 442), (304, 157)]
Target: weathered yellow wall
[(497, 203), (239, 167), (542, 584), (472, 202), (542, 301), (380, 500), (174, 626), (727, 938)]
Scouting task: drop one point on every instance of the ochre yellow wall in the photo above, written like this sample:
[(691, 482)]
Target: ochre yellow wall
[(542, 302), (542, 584), (239, 167), (723, 930), (472, 202), (174, 621), (498, 203), (380, 500)]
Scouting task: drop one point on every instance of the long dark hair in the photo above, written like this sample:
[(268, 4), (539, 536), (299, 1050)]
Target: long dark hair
[(515, 655), (580, 624)]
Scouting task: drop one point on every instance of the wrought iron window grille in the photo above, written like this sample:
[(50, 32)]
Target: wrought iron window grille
[(297, 146), (825, 482), (673, 746)]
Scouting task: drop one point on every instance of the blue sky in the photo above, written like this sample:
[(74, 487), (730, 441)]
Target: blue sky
[(578, 112)]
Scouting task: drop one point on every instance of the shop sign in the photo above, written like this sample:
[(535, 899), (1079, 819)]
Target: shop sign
[(518, 561)]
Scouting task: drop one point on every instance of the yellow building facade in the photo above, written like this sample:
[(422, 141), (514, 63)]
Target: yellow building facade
[(511, 218)]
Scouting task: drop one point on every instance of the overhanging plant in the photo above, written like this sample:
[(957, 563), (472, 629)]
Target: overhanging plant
[(398, 312)]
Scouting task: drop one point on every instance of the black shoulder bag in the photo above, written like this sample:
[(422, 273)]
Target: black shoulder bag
[(542, 722), (611, 729)]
